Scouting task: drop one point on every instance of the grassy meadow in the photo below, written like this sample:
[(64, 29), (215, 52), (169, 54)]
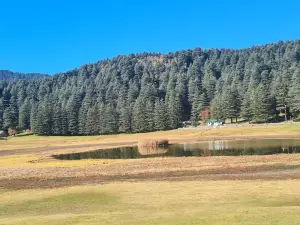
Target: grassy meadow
[(37, 189), (184, 202), (179, 135)]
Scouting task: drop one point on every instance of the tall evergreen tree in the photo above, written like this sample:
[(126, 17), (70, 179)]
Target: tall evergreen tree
[(24, 115), (41, 125), (57, 120), (110, 118), (92, 126), (33, 117), (294, 93), (174, 110), (246, 110), (10, 115), (125, 119), (139, 116), (231, 103), (281, 94), (261, 104), (160, 115), (73, 112), (1, 112), (217, 108)]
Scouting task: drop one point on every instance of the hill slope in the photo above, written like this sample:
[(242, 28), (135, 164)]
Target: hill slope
[(148, 91)]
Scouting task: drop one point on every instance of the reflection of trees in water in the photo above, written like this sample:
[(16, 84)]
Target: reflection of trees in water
[(152, 151), (243, 147), (212, 148), (207, 153), (218, 145)]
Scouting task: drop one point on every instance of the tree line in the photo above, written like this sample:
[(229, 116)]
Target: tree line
[(148, 91), (8, 75)]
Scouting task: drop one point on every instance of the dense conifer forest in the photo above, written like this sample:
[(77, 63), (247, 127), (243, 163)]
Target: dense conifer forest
[(8, 75), (148, 91)]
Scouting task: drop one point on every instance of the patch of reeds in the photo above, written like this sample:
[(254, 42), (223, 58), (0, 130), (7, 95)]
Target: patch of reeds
[(153, 143)]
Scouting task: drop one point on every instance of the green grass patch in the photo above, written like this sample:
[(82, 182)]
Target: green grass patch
[(185, 202), (74, 203)]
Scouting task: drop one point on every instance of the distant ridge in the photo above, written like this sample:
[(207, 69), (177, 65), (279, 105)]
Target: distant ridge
[(9, 75)]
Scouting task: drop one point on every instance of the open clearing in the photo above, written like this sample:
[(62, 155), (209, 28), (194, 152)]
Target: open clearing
[(33, 166), (37, 189), (40, 144), (181, 202)]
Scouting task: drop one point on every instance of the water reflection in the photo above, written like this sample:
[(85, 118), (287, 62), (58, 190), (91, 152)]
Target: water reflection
[(201, 149)]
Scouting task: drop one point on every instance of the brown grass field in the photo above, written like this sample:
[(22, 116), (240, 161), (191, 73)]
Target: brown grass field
[(37, 189), (29, 158)]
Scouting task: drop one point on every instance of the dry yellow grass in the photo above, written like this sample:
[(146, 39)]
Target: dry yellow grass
[(282, 166), (40, 164), (193, 190), (37, 163)]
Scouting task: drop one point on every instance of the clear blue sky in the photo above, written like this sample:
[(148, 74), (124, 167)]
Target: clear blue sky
[(55, 36)]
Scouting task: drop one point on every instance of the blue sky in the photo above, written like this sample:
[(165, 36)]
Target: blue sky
[(55, 36)]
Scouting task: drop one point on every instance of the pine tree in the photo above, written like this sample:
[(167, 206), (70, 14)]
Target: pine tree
[(110, 119), (199, 102), (82, 116), (24, 115), (44, 122), (64, 122), (139, 116), (10, 115), (217, 108), (1, 112), (73, 112), (41, 125), (92, 127), (101, 119), (246, 111), (57, 120), (261, 104), (231, 103), (281, 95), (174, 110), (33, 117), (125, 119), (160, 115), (294, 93), (48, 116), (149, 114)]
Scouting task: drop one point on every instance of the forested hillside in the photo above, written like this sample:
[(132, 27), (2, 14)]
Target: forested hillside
[(148, 91), (8, 75)]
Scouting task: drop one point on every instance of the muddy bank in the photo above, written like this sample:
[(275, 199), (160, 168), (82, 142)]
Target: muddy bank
[(74, 181), (274, 167)]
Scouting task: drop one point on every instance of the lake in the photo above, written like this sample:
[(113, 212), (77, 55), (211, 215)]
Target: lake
[(197, 149)]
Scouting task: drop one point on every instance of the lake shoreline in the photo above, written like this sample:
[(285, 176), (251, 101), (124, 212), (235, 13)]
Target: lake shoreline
[(267, 173), (28, 159)]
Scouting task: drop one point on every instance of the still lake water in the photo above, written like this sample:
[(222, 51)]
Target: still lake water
[(198, 149)]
